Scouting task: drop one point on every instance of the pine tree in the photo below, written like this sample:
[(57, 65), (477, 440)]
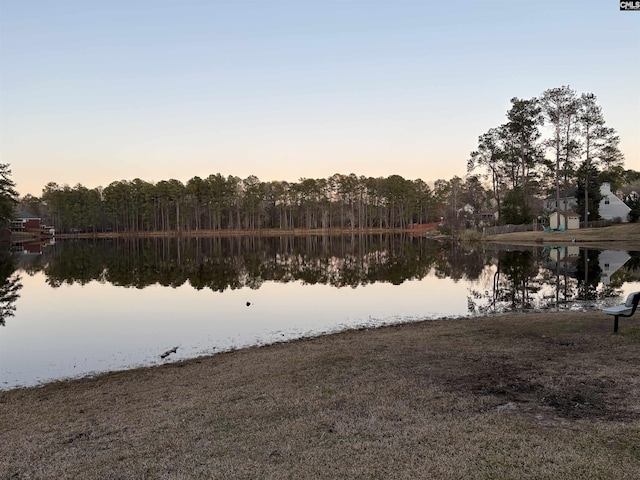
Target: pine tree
[(8, 195)]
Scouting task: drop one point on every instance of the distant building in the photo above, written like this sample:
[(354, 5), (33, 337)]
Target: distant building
[(571, 220), (611, 207), (489, 217), (568, 201), (25, 222)]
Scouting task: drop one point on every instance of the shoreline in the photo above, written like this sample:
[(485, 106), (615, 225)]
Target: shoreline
[(541, 395), (265, 232), (627, 235), (619, 236)]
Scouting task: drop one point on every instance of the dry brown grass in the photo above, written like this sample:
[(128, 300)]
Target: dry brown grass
[(622, 237), (544, 396)]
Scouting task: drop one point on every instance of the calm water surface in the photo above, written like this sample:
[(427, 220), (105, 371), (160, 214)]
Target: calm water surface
[(96, 306)]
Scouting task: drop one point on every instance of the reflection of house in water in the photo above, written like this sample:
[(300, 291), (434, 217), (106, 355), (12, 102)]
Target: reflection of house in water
[(565, 257), (28, 252), (32, 248), (610, 262), (563, 254)]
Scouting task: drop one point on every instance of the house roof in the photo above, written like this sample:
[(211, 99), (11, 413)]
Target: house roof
[(568, 213), (24, 215), (572, 192)]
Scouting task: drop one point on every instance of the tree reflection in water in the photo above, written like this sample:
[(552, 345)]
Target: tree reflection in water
[(500, 278), (222, 263), (543, 278), (10, 285), (589, 274)]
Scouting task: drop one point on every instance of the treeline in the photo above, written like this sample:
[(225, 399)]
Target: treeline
[(231, 203), (548, 145), (338, 202)]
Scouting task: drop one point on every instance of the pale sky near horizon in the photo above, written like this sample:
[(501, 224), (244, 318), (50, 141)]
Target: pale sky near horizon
[(96, 91)]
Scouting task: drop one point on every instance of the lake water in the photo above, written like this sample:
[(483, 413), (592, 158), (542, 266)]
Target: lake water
[(86, 307)]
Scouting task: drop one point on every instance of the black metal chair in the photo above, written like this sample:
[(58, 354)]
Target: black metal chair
[(627, 309)]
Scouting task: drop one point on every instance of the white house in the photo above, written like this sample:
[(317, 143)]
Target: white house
[(610, 208), (568, 201)]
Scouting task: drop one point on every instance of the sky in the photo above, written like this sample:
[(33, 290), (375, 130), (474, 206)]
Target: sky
[(97, 91)]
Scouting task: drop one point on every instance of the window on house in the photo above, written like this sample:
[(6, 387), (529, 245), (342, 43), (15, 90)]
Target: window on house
[(606, 200), (606, 266)]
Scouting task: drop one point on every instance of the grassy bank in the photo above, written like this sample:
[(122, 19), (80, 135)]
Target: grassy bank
[(622, 237), (553, 396)]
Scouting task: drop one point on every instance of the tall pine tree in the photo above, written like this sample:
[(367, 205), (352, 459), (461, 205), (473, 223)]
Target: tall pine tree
[(8, 195)]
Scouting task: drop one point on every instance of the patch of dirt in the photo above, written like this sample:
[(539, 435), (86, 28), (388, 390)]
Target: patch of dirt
[(580, 400), (523, 385)]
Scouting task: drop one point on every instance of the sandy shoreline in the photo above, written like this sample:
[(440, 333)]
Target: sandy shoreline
[(552, 395)]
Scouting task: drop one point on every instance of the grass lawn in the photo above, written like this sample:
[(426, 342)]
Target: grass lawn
[(624, 236), (539, 396)]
